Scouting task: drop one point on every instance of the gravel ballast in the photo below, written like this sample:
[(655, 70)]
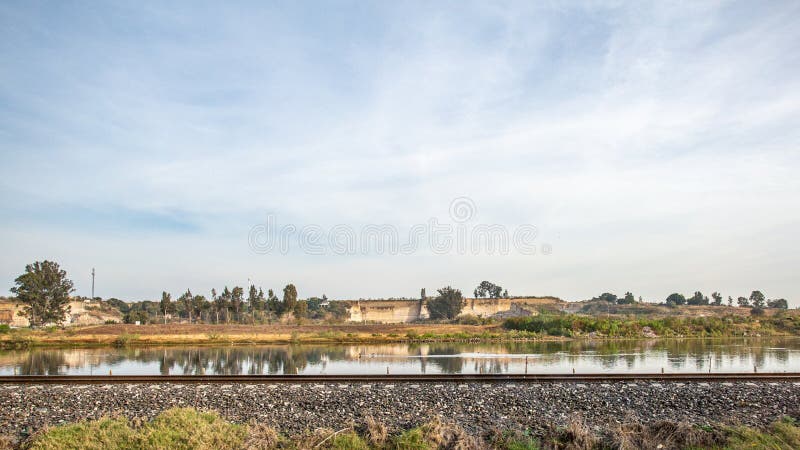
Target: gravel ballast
[(478, 407)]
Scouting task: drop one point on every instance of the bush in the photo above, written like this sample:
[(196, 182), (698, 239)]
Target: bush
[(125, 339), (186, 428), (5, 328), (99, 434), (469, 319)]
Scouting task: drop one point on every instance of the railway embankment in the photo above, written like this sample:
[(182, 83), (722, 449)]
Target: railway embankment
[(478, 407)]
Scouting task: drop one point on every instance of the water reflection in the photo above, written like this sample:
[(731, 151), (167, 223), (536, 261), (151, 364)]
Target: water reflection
[(689, 355)]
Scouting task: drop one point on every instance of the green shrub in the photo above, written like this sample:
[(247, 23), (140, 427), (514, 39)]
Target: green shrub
[(186, 428), (348, 441), (125, 339), (5, 328), (413, 439), (781, 435), (114, 434)]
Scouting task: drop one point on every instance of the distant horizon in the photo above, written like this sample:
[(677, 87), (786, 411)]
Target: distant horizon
[(429, 293)]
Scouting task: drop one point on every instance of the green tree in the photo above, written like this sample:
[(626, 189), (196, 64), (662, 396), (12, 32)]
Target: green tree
[(254, 300), (676, 299), (743, 302), (488, 289), (629, 299), (697, 299), (338, 310), (607, 297), (757, 299), (185, 302), (44, 290), (779, 303), (447, 305), (717, 298), (199, 305), (274, 305), (730, 301), (300, 309), (237, 300), (166, 306), (289, 297), (136, 315)]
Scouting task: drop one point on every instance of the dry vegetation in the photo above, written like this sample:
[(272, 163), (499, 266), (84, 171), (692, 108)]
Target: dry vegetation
[(186, 428)]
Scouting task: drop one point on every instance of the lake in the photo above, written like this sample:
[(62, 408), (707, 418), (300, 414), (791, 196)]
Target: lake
[(625, 356)]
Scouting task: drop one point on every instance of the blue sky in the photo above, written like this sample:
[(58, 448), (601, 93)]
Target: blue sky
[(653, 145)]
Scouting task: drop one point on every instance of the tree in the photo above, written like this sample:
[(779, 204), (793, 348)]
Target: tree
[(757, 299), (488, 289), (779, 303), (730, 301), (422, 294), (447, 305), (697, 299), (743, 302), (166, 306), (185, 301), (199, 304), (219, 302), (237, 298), (289, 297), (273, 304), (607, 296), (505, 293), (255, 298), (629, 299), (300, 309), (44, 290), (136, 315), (676, 299), (717, 298)]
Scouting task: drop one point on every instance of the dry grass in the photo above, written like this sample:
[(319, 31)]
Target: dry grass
[(449, 436), (261, 437), (575, 436), (186, 428), (666, 435), (377, 433), (6, 443)]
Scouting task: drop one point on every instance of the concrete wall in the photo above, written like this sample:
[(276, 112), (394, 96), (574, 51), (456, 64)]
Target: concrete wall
[(387, 311), (400, 311)]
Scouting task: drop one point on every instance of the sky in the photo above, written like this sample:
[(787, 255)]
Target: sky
[(652, 146)]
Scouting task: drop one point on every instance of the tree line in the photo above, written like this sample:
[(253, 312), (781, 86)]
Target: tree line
[(44, 290), (231, 306), (757, 300)]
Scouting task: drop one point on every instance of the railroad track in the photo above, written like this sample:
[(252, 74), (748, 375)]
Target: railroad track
[(436, 378)]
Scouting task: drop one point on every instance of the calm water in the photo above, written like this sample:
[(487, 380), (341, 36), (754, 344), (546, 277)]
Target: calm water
[(689, 355)]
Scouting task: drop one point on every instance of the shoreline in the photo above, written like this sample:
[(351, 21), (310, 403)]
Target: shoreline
[(133, 340)]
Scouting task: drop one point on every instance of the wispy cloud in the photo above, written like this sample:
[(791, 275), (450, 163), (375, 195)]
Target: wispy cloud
[(654, 145)]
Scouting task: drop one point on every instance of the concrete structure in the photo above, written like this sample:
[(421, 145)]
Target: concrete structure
[(400, 311), (81, 313)]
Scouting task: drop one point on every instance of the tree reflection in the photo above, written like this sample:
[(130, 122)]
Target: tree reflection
[(543, 357)]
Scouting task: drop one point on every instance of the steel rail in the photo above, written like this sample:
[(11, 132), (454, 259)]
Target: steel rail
[(435, 378)]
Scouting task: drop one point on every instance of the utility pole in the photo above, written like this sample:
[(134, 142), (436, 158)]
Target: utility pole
[(93, 283)]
